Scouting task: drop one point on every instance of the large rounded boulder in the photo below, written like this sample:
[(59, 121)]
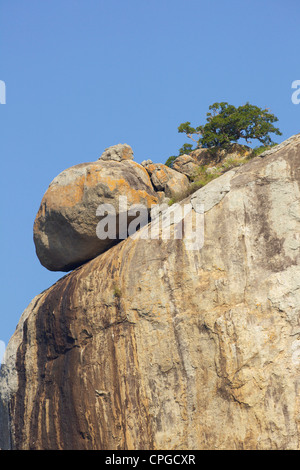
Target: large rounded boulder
[(65, 226)]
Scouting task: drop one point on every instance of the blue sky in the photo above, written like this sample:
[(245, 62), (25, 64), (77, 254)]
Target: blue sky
[(82, 75)]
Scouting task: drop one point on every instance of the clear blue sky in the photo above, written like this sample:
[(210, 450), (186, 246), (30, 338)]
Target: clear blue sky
[(82, 75)]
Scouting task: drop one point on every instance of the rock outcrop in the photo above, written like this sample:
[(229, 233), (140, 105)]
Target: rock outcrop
[(160, 344), (186, 164), (165, 179), (117, 153), (189, 164)]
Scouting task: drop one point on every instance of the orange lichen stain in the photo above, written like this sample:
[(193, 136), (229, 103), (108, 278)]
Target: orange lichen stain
[(137, 165), (173, 184), (42, 210), (143, 197), (162, 175), (65, 196), (114, 183), (92, 178), (69, 195), (127, 154), (134, 196), (151, 168)]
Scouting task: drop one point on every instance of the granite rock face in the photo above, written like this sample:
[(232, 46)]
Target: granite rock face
[(157, 345), (65, 226)]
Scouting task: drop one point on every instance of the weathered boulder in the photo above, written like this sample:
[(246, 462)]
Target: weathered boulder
[(145, 163), (165, 179), (65, 226), (117, 153), (160, 344), (186, 164)]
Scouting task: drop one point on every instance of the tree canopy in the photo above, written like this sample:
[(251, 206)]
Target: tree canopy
[(227, 124)]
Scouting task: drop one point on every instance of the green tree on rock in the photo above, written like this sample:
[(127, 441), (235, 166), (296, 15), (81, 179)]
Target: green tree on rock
[(227, 124)]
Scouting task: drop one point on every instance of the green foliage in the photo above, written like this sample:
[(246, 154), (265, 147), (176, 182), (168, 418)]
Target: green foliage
[(186, 149), (226, 124), (187, 129), (206, 173), (170, 161)]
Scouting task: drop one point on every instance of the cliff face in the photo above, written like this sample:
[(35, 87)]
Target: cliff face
[(157, 345)]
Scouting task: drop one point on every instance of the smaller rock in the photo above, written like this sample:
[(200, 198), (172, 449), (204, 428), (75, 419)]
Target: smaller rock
[(146, 163), (162, 198), (186, 165), (165, 179), (117, 153)]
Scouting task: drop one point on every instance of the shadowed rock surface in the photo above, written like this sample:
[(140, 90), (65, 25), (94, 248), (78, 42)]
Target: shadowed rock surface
[(152, 345)]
